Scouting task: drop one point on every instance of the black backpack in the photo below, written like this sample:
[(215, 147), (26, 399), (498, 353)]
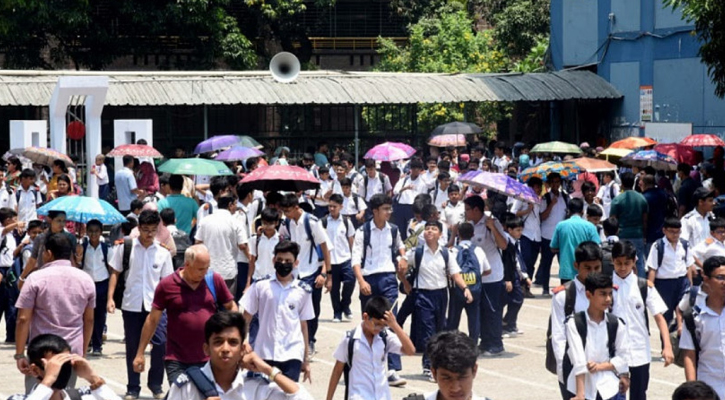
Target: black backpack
[(345, 221), (580, 320), (351, 352), (121, 282), (367, 233), (569, 303)]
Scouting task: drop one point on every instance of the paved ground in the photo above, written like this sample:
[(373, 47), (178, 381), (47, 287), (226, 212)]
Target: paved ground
[(518, 375)]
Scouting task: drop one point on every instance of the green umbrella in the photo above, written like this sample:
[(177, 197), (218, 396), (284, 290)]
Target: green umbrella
[(248, 141), (556, 147), (194, 166)]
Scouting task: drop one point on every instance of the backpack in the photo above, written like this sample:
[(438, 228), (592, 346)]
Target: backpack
[(673, 208), (366, 179), (308, 231), (412, 274), (204, 385), (564, 194), (121, 282), (104, 249), (356, 200), (688, 320), (209, 278), (569, 303), (396, 199), (32, 190), (411, 241), (580, 320), (607, 261), (470, 272), (351, 352), (367, 232), (182, 241), (18, 265), (345, 220), (660, 245)]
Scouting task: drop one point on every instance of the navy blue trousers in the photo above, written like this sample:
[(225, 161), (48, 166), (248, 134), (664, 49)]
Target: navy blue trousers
[(8, 296), (320, 211), (342, 277), (672, 291), (99, 315), (543, 274), (429, 318), (132, 327), (290, 368), (638, 382), (491, 317), (242, 275), (316, 298), (473, 312), (402, 213), (530, 252), (384, 284), (514, 301)]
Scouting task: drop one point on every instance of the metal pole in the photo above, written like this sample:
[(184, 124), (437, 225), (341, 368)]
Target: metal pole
[(206, 122), (357, 133)]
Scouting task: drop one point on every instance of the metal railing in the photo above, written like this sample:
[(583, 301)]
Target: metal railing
[(351, 43)]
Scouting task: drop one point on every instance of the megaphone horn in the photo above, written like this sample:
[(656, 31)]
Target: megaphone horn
[(285, 67)]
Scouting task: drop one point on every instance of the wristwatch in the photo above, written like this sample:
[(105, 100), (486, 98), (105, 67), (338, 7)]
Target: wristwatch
[(274, 373), (19, 356), (323, 275)]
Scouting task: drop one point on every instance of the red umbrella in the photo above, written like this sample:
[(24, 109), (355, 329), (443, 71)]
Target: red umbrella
[(683, 154), (136, 150), (702, 140), (281, 178)]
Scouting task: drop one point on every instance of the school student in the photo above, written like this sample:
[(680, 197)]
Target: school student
[(596, 362), (632, 299), (284, 307), (361, 353), (28, 196), (453, 365), (353, 206), (322, 194), (515, 277), (92, 257), (531, 236), (454, 212), (668, 265), (611, 236), (405, 191), (341, 233), (703, 351), (439, 192)]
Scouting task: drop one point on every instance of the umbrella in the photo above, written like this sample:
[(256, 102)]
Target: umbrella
[(136, 150), (702, 140), (194, 166), (215, 143), (83, 209), (614, 153), (390, 151), (238, 153), (43, 155), (456, 128), (500, 183), (280, 178), (248, 141), (567, 169), (651, 158), (633, 142), (556, 147), (456, 140), (594, 165), (683, 154)]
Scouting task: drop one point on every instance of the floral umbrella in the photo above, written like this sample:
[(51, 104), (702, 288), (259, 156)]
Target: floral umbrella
[(500, 183), (567, 170)]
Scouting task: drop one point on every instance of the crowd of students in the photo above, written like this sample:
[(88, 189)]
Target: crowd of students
[(219, 277)]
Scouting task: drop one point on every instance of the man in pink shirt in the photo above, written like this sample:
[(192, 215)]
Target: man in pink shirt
[(58, 298)]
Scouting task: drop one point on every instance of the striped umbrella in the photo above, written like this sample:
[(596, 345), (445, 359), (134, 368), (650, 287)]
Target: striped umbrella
[(567, 170)]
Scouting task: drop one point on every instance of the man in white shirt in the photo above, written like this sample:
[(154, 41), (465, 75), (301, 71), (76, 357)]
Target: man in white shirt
[(148, 262), (500, 159), (553, 210), (405, 191), (226, 371), (218, 187), (341, 232), (439, 191), (714, 245), (696, 223), (608, 191), (224, 236), (323, 193), (454, 212), (431, 174), (28, 196)]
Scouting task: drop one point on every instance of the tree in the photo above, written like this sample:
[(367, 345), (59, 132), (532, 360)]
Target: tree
[(709, 19), (519, 24)]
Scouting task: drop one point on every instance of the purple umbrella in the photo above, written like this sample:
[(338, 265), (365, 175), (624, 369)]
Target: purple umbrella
[(238, 153), (500, 183), (215, 143), (390, 151)]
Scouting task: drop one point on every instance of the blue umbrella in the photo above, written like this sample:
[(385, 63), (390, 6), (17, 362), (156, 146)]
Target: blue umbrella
[(83, 209)]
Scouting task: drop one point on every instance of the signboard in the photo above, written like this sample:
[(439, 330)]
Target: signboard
[(646, 103), (667, 132)]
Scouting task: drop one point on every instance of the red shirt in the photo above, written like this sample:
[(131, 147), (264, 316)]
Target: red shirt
[(187, 310)]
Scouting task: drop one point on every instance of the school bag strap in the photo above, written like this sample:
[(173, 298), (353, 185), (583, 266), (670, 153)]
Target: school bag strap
[(209, 278), (660, 245), (688, 320), (350, 335), (367, 232), (205, 386), (104, 249), (643, 285), (570, 298)]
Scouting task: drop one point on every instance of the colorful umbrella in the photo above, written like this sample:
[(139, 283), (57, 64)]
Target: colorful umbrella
[(683, 154), (594, 165), (43, 155), (194, 166), (651, 158), (456, 128), (556, 147), (633, 142), (215, 143), (136, 150), (567, 170), (500, 183), (83, 209), (238, 153), (390, 151), (702, 140), (281, 178), (614, 153), (456, 140)]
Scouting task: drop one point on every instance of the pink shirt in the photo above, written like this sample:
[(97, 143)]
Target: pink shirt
[(58, 294)]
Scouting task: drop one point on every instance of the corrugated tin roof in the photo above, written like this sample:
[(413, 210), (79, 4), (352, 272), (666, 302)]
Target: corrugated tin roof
[(34, 88)]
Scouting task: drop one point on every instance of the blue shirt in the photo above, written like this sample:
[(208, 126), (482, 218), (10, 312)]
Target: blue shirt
[(657, 204), (321, 160), (125, 184), (184, 207), (569, 234)]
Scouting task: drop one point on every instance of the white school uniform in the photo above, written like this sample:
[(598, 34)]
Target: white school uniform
[(298, 234), (695, 227), (454, 214), (262, 248), (675, 260), (710, 327), (484, 238), (352, 205), (433, 271), (378, 254), (558, 332), (408, 196), (146, 267), (339, 231)]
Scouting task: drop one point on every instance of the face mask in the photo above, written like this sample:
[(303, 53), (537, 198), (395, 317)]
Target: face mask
[(283, 269), (63, 376)]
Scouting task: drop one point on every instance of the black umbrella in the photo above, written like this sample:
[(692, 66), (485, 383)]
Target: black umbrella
[(456, 128)]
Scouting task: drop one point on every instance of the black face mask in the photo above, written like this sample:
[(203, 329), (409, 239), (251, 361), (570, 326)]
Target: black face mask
[(63, 376), (283, 269)]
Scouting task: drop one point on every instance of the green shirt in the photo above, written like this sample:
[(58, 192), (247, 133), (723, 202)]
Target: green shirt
[(629, 208), (184, 207), (569, 234)]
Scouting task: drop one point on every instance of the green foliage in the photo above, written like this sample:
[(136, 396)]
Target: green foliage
[(535, 61), (709, 19), (520, 24)]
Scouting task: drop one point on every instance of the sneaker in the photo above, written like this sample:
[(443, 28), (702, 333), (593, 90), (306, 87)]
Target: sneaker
[(159, 395), (528, 294), (490, 354), (96, 353), (508, 334), (348, 314), (131, 396), (337, 320), (429, 375), (395, 380)]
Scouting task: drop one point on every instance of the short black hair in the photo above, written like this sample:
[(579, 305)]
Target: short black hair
[(611, 226), (345, 182), (444, 165), (370, 163), (164, 178), (289, 200), (575, 206), (443, 176), (149, 217), (672, 222), (127, 159), (594, 211), (454, 188), (44, 344), (588, 187), (218, 184), (269, 215), (609, 174), (453, 351), (514, 222), (336, 198), (136, 204), (376, 307), (176, 182), (428, 211), (59, 245), (465, 230), (379, 200), (53, 214), (287, 246), (435, 223), (684, 168), (553, 175), (6, 213), (28, 173), (168, 216), (597, 280), (587, 251), (222, 320), (624, 248), (717, 223), (416, 163), (232, 180), (475, 202), (243, 190), (128, 225), (695, 390), (225, 201), (94, 222), (431, 159), (535, 181), (711, 264), (36, 223), (323, 170), (627, 179)]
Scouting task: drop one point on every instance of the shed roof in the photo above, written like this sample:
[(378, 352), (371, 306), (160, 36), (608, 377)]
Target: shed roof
[(34, 88)]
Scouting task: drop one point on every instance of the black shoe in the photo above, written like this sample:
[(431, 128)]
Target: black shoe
[(528, 294), (130, 396)]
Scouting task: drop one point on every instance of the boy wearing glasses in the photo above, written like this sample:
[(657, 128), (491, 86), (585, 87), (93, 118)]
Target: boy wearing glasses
[(713, 245)]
